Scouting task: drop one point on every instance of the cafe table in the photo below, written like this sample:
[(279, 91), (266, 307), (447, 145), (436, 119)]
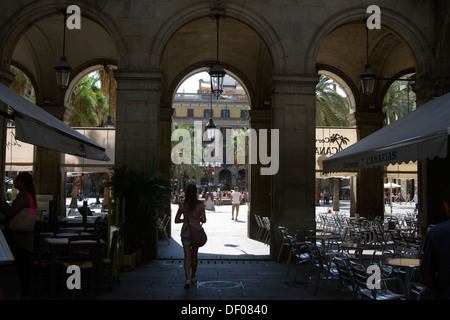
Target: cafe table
[(359, 248), (325, 238), (58, 245), (408, 264)]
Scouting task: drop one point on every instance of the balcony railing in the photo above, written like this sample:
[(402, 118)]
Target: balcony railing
[(206, 97)]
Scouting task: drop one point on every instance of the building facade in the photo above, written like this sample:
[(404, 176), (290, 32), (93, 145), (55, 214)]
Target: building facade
[(229, 112), (274, 48)]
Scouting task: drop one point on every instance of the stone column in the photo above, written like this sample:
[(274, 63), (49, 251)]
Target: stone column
[(369, 183), (137, 121), (433, 175), (259, 186), (293, 189), (165, 148)]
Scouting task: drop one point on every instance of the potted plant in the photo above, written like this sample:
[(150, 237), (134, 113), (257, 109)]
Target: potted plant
[(140, 193)]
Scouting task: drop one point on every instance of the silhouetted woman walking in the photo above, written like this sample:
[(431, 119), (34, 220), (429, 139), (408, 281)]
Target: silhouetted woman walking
[(193, 211)]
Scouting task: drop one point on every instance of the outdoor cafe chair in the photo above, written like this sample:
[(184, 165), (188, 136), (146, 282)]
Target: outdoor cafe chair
[(41, 260), (299, 250), (384, 292), (346, 279), (162, 227), (86, 253), (266, 224), (320, 266), (285, 243), (259, 227)]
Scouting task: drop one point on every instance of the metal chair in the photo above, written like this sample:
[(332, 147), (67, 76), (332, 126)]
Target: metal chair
[(266, 224), (87, 254), (382, 293), (320, 265), (162, 227), (346, 280), (283, 231), (299, 250), (260, 227)]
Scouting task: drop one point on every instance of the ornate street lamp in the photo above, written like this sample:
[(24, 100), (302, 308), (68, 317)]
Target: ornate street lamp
[(367, 76), (109, 123), (210, 126), (63, 68), (217, 73)]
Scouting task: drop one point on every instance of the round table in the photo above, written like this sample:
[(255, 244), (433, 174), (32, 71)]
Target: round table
[(408, 264)]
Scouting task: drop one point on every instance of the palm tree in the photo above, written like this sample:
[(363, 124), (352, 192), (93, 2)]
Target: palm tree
[(89, 108), (191, 170), (88, 105), (398, 101), (22, 85), (332, 109), (104, 88)]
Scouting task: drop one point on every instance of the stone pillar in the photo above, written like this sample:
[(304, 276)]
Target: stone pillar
[(369, 183), (137, 121), (259, 186), (293, 189), (165, 148), (433, 175)]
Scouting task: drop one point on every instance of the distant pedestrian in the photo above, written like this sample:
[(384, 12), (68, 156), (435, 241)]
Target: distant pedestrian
[(326, 197), (416, 201), (245, 197), (236, 198)]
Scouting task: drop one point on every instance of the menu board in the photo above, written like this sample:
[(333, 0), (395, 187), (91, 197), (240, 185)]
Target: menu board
[(6, 256)]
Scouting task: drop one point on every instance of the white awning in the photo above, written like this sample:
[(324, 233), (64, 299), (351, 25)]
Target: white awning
[(36, 126), (420, 135), (20, 155), (103, 136)]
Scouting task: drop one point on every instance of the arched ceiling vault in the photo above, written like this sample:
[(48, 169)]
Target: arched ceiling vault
[(241, 51), (40, 48), (344, 49)]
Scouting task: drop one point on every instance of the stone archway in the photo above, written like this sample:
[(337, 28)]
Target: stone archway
[(225, 179), (33, 39), (244, 54), (397, 48)]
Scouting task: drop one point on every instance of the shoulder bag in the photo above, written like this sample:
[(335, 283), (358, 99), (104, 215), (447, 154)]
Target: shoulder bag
[(25, 219), (198, 234)]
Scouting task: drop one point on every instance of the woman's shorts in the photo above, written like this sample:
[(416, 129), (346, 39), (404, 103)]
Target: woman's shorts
[(186, 241)]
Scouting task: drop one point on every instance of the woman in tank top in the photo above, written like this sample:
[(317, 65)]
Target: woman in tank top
[(193, 210)]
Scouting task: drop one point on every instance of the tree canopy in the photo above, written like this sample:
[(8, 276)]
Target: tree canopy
[(332, 108), (88, 104)]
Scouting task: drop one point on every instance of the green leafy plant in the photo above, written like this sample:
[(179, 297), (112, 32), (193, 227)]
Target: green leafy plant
[(143, 192)]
